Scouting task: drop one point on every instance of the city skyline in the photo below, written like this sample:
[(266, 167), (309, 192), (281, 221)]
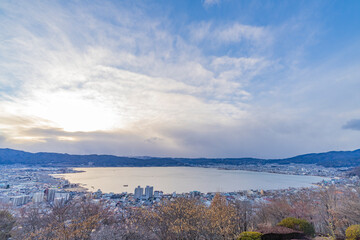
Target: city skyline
[(207, 78)]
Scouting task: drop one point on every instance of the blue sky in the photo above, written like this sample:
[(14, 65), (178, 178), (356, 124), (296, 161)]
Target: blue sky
[(207, 78)]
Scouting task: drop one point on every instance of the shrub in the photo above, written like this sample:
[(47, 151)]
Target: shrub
[(298, 224), (353, 232), (7, 222), (250, 236)]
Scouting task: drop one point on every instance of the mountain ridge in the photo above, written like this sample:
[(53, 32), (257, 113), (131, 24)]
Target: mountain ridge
[(326, 159)]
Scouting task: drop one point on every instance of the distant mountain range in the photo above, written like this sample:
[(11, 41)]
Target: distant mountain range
[(11, 156)]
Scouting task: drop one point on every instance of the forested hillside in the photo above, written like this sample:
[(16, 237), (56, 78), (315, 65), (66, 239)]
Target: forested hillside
[(329, 159)]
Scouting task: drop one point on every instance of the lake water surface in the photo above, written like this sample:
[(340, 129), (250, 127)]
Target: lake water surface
[(183, 179)]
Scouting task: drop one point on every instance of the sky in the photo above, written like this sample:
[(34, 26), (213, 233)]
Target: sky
[(189, 78)]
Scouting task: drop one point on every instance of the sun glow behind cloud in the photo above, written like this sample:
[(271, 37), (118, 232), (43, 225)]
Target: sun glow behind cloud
[(110, 77), (73, 113), (100, 87)]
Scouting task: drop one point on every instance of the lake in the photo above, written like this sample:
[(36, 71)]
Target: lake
[(183, 179)]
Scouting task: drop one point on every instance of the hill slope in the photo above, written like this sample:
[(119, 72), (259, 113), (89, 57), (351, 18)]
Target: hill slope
[(328, 159)]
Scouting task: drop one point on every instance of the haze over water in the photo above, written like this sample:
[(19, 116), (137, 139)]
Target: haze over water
[(183, 179)]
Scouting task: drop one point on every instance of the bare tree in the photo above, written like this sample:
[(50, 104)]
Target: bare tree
[(7, 222), (245, 215), (223, 219)]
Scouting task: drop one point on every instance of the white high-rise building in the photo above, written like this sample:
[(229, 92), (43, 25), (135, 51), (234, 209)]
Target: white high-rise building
[(158, 194), (21, 200), (138, 192), (51, 194), (5, 199), (38, 197), (64, 196), (149, 192), (58, 201)]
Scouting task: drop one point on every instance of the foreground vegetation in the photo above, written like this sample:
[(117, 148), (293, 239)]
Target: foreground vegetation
[(327, 212)]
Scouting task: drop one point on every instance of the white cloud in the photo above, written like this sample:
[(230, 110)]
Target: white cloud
[(238, 32), (72, 80), (230, 33), (208, 3), (142, 81)]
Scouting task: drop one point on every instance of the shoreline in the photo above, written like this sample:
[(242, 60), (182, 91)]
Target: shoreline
[(219, 167), (88, 187)]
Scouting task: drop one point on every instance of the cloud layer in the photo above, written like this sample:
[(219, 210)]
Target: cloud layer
[(112, 78)]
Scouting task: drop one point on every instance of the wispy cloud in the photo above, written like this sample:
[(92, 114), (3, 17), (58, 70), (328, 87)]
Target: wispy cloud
[(118, 78), (208, 3), (230, 33), (112, 78)]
